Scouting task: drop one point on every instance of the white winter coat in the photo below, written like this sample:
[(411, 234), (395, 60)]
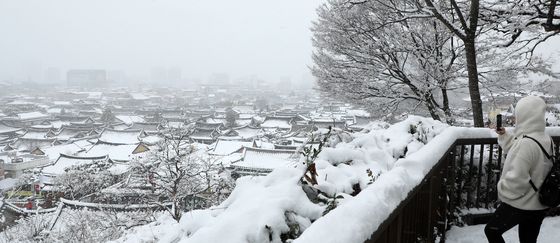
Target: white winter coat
[(525, 160)]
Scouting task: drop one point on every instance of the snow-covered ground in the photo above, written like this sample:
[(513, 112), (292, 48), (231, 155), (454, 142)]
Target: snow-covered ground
[(270, 208), (475, 234), (363, 176)]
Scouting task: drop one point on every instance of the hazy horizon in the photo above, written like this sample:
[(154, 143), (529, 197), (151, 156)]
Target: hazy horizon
[(151, 40), (248, 39)]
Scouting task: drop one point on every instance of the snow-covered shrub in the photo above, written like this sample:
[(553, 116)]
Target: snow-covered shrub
[(27, 229), (277, 208), (75, 226), (82, 180)]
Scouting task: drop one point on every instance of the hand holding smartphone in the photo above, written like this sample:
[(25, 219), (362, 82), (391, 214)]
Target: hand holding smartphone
[(499, 128)]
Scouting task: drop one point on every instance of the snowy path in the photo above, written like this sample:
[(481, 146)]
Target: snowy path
[(550, 231)]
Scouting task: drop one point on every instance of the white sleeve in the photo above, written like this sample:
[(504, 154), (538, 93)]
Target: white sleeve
[(515, 183), (505, 141)]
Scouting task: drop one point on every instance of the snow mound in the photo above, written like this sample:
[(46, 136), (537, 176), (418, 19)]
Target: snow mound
[(267, 209), (254, 212)]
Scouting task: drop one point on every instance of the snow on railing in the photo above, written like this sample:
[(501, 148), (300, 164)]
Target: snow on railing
[(357, 219), (74, 203), (14, 208)]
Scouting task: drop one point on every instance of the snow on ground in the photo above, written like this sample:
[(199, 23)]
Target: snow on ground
[(260, 207), (475, 234), (255, 203), (269, 201), (73, 225)]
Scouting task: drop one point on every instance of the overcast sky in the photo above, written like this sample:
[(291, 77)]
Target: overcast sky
[(269, 39), (266, 38)]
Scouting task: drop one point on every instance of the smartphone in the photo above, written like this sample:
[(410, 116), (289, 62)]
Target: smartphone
[(498, 121)]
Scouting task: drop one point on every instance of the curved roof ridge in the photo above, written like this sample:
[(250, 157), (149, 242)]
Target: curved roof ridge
[(83, 157)]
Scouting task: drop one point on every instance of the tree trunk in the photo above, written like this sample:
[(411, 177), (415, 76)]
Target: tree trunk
[(446, 109), (432, 108), (474, 91)]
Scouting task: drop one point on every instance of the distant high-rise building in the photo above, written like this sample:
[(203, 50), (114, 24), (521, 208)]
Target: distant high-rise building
[(86, 77)]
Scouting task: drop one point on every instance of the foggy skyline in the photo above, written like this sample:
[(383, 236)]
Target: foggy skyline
[(270, 40)]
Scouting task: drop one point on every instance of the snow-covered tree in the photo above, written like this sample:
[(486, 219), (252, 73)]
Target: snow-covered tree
[(363, 54), (79, 181), (107, 116), (231, 117), (82, 225), (416, 50), (181, 176)]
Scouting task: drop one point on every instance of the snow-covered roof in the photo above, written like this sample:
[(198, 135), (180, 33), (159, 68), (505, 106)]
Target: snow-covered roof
[(227, 147), (248, 132), (277, 122), (28, 144), (31, 115), (149, 127), (204, 134), (8, 184), (66, 161), (54, 152), (151, 140), (67, 133), (129, 120), (62, 103), (268, 159), (20, 102), (6, 129), (120, 136), (244, 109), (138, 96), (54, 110), (122, 152), (36, 134)]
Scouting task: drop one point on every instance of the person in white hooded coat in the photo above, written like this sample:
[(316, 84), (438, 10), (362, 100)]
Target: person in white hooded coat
[(524, 162)]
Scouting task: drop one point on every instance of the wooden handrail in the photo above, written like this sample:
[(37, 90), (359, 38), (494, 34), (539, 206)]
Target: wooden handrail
[(445, 178)]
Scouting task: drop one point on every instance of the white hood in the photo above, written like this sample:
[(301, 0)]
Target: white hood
[(529, 116)]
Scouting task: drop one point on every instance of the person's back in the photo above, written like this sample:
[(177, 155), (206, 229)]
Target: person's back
[(524, 162)]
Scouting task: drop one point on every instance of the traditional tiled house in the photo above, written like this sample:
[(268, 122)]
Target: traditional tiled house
[(227, 147), (116, 137), (29, 144), (258, 161), (151, 128), (277, 122), (13, 163), (26, 119)]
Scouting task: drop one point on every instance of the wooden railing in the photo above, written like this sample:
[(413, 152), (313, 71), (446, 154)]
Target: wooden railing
[(464, 178)]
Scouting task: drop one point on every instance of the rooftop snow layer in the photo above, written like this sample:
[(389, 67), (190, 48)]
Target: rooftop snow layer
[(226, 147), (67, 161), (276, 123), (120, 136), (129, 120), (257, 158), (115, 152), (6, 129), (31, 115)]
